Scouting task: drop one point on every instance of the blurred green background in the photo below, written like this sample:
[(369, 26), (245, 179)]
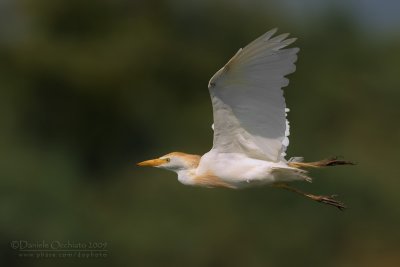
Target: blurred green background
[(89, 88)]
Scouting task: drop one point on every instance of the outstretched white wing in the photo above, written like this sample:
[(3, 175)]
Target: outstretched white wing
[(248, 104)]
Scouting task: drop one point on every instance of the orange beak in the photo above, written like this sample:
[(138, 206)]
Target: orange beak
[(152, 162)]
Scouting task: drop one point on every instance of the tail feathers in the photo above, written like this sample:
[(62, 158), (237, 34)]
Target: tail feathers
[(296, 159), (322, 163)]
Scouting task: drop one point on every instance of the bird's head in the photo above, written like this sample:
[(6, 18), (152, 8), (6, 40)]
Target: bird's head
[(174, 161)]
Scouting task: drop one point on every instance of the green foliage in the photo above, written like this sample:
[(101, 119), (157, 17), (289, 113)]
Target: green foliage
[(88, 88)]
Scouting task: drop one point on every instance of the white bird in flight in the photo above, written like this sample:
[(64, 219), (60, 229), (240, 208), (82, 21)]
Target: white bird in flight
[(250, 126)]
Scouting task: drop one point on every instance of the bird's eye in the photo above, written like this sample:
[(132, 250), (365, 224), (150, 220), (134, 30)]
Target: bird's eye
[(168, 159)]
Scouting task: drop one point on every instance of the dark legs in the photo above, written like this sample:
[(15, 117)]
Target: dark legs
[(322, 163), (330, 200)]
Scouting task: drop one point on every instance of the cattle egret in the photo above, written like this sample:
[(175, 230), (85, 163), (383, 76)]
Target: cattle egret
[(250, 126)]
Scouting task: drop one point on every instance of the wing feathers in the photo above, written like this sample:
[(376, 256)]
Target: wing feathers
[(249, 107)]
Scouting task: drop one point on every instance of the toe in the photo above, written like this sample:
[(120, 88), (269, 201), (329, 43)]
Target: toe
[(330, 200)]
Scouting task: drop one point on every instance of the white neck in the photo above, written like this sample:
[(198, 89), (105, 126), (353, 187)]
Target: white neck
[(186, 176)]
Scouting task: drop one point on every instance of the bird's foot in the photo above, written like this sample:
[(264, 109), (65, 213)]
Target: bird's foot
[(334, 161), (329, 200)]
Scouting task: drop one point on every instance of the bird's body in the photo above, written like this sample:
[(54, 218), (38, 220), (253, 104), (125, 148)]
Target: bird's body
[(250, 127), (244, 171)]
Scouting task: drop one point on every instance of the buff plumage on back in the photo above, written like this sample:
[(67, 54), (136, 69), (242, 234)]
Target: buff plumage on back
[(248, 104)]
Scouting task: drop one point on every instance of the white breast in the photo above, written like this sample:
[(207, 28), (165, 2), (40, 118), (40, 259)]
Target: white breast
[(237, 168)]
